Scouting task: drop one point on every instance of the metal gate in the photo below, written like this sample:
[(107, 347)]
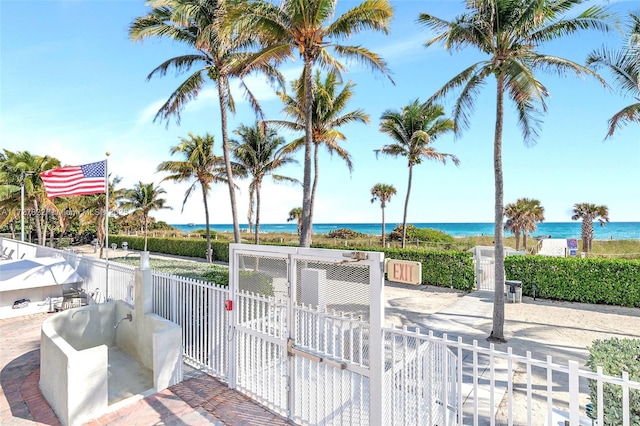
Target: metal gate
[(307, 332)]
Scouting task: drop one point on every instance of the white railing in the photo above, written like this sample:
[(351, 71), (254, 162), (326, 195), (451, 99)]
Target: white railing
[(487, 390), (342, 336), (485, 273), (420, 379), (198, 307), (426, 379), (114, 283)]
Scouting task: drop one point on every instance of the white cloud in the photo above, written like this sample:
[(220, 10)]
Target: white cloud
[(147, 115)]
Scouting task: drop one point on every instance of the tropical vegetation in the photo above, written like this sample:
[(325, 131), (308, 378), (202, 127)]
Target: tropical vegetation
[(522, 217), (260, 152), (296, 214), (624, 64), (200, 166), (588, 213), (307, 28), (216, 56), (509, 34), (144, 198), (327, 116), (414, 129), (382, 192), (20, 171)]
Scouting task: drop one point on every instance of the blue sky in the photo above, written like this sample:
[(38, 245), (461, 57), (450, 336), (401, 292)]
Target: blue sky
[(72, 85)]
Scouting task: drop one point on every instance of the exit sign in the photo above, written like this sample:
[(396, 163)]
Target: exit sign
[(404, 271)]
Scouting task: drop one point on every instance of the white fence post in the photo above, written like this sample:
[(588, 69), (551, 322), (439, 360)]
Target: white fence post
[(574, 393), (233, 291), (625, 399), (376, 351)]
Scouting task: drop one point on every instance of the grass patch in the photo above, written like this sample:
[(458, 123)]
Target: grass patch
[(216, 274)]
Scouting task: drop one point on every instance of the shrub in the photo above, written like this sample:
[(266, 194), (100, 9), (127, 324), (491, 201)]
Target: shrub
[(605, 281), (345, 234), (256, 282), (421, 234), (443, 268), (615, 356), (176, 246)]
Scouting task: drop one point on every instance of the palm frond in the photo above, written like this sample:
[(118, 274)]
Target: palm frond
[(628, 114), (365, 57), (369, 15), (186, 92)]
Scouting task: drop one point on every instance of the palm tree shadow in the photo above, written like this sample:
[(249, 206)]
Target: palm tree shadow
[(12, 377)]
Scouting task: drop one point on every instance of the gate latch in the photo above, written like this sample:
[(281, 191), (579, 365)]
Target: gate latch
[(355, 256), (292, 350)]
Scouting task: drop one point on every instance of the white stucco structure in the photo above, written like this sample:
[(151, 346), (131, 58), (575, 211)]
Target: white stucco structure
[(76, 346)]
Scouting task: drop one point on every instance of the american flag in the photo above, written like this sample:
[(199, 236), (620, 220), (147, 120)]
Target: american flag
[(75, 180)]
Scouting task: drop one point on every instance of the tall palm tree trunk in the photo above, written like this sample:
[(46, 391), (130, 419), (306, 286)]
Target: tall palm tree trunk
[(257, 239), (146, 230), (497, 334), (406, 207), (517, 234), (206, 221), (383, 227), (37, 220), (223, 87), (587, 233), (316, 175), (305, 235), (45, 221)]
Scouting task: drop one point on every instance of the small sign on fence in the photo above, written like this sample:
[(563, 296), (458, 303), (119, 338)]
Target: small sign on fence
[(404, 271)]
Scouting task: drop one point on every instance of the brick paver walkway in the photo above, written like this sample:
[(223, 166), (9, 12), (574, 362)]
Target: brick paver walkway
[(201, 400)]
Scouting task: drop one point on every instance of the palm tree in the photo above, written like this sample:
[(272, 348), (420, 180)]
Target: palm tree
[(533, 213), (589, 213), (197, 23), (327, 117), (625, 66), (522, 217), (144, 198), (93, 212), (261, 153), (414, 128), (296, 214), (382, 192), (514, 221), (509, 32), (22, 166), (306, 26), (201, 167)]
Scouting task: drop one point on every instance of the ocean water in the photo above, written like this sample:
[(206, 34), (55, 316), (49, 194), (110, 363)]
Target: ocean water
[(612, 230)]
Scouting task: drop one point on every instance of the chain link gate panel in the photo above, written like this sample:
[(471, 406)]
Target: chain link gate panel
[(307, 324), (331, 340), (260, 301)]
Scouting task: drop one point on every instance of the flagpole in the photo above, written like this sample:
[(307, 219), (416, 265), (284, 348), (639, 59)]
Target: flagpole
[(106, 226)]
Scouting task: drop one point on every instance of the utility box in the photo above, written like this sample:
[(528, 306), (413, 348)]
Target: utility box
[(513, 291)]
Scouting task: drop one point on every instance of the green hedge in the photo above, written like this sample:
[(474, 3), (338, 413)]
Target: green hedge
[(442, 268), (176, 246), (615, 356), (597, 281), (450, 268)]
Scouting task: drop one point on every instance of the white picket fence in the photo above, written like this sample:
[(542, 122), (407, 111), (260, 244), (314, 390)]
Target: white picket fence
[(486, 389), (481, 385), (198, 307)]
